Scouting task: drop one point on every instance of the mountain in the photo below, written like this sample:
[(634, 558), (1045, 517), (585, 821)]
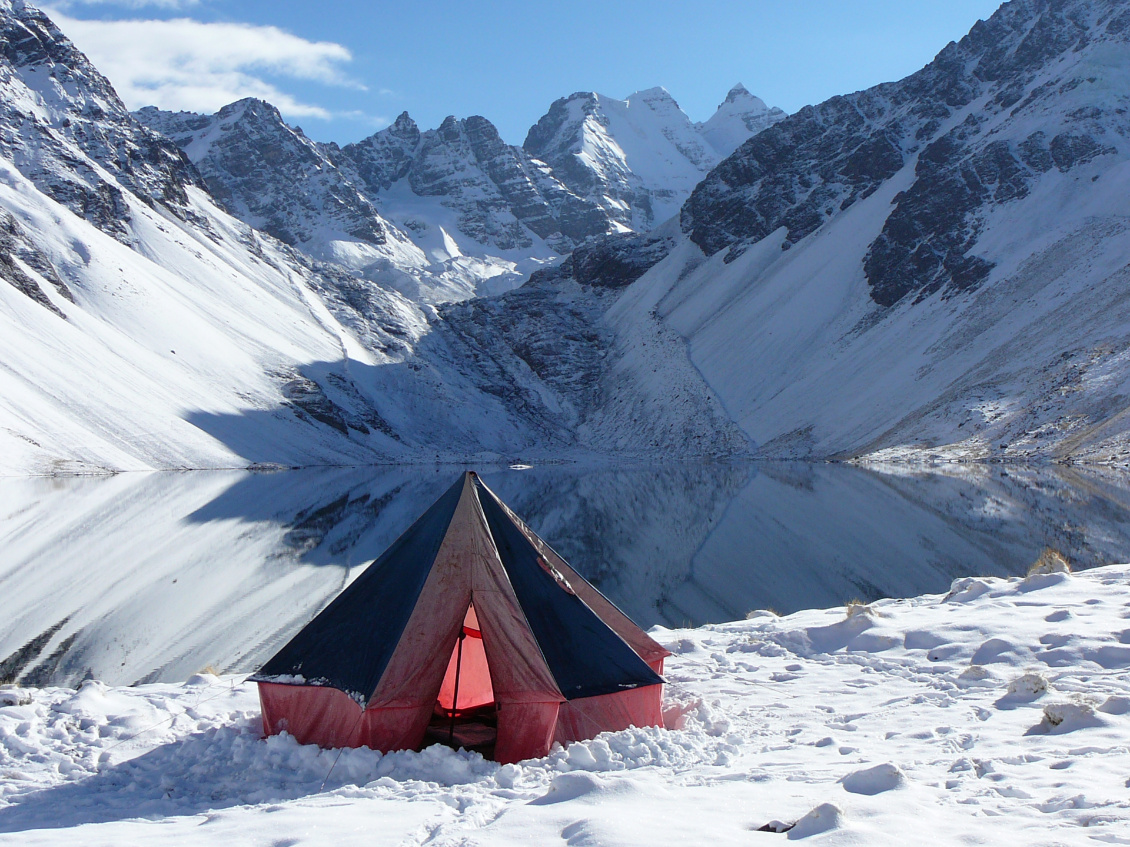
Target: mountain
[(129, 302), (640, 158), (502, 197), (935, 266), (439, 215), (271, 176), (932, 268), (64, 127), (739, 117), (454, 212), (142, 326)]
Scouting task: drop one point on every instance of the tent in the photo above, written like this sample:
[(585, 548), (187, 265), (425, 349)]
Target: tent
[(471, 631)]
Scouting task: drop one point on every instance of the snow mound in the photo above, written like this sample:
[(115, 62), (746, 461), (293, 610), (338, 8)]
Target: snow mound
[(875, 780), (824, 817)]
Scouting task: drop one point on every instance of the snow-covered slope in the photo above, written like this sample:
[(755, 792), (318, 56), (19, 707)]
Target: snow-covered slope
[(129, 303), (939, 262), (996, 713), (639, 158)]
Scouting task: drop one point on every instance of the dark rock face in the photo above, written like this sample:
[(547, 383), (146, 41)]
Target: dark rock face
[(532, 329), (613, 262), (383, 158), (85, 119), (15, 245), (795, 175), (819, 162), (269, 174)]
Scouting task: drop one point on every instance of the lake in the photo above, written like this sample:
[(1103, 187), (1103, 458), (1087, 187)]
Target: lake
[(152, 577)]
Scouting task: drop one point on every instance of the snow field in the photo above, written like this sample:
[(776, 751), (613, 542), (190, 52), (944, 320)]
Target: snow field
[(996, 713)]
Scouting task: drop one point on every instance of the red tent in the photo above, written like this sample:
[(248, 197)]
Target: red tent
[(468, 630)]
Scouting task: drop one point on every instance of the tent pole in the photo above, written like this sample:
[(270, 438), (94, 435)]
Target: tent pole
[(455, 694)]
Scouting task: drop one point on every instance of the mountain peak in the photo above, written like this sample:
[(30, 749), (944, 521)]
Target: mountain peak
[(650, 95), (404, 123), (737, 92), (738, 117), (252, 106)]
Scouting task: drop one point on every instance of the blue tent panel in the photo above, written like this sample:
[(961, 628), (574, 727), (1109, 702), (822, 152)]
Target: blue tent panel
[(349, 644), (585, 656)]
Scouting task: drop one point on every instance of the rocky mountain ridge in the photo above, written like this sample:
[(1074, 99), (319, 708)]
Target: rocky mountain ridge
[(930, 267), (445, 214)]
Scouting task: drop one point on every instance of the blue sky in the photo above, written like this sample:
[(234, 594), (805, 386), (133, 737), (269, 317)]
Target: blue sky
[(344, 69)]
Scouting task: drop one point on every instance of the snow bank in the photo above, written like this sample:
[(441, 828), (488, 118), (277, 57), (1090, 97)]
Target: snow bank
[(996, 713)]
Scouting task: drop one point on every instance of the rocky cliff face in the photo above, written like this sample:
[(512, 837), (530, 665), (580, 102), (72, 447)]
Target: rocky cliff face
[(453, 212), (437, 215), (502, 197), (61, 122), (270, 175), (980, 126)]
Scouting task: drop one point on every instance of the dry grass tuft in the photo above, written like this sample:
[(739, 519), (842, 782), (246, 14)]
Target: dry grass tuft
[(1050, 561)]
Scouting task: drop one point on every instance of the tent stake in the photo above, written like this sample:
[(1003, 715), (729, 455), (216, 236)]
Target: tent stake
[(455, 694)]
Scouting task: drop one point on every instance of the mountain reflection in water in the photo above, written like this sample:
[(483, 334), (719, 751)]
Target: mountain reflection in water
[(147, 577)]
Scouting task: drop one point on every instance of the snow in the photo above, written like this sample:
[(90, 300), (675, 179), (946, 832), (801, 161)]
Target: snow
[(186, 324), (995, 713)]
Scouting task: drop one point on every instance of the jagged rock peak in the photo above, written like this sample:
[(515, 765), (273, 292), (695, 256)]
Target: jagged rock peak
[(740, 94), (270, 174), (404, 124), (67, 130)]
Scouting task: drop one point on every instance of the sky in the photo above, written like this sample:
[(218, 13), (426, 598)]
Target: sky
[(343, 70)]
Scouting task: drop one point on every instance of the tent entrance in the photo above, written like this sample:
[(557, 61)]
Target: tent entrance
[(465, 714)]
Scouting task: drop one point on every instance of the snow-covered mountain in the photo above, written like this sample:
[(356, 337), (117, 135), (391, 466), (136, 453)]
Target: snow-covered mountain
[(739, 117), (143, 327), (935, 265), (271, 176), (455, 212), (500, 196), (129, 302), (640, 158)]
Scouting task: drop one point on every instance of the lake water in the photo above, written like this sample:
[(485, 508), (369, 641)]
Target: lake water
[(152, 577)]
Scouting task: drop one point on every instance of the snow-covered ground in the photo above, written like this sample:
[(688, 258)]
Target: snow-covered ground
[(995, 714)]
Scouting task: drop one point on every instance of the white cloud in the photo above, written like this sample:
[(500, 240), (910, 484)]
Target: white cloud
[(132, 4), (196, 66)]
